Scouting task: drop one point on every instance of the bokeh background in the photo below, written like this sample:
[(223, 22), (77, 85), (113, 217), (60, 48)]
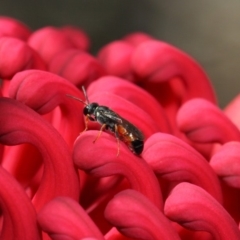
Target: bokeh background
[(208, 30)]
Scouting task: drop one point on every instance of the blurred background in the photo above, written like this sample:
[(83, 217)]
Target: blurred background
[(208, 30)]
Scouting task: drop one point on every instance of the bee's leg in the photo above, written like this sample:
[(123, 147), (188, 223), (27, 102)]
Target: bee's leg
[(117, 137), (86, 119), (99, 133)]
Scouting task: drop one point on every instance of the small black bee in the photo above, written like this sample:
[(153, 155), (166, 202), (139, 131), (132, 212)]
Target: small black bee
[(123, 130)]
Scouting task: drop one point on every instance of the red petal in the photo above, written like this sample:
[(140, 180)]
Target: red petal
[(77, 36), (10, 27), (116, 58), (203, 122), (15, 56), (226, 163), (19, 124), (77, 66), (136, 217), (49, 41), (232, 111), (137, 38), (19, 216), (44, 91), (176, 161), (63, 218), (101, 160), (156, 61), (195, 209)]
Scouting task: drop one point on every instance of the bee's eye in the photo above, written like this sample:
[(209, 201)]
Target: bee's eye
[(85, 111), (90, 108)]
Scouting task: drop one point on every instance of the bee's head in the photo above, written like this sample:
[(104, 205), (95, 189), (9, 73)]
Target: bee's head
[(90, 108)]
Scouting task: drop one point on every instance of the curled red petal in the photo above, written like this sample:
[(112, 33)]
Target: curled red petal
[(44, 91), (174, 160), (100, 159), (116, 58), (63, 218), (137, 38), (4, 88), (77, 36), (232, 111), (49, 41), (38, 89), (195, 209), (89, 238), (114, 234), (23, 162), (204, 122), (134, 94), (136, 217), (156, 61), (226, 163), (20, 124), (77, 66), (19, 216), (10, 27), (1, 151), (15, 56)]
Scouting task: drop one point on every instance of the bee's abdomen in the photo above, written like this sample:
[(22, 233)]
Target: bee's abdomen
[(137, 146), (134, 141)]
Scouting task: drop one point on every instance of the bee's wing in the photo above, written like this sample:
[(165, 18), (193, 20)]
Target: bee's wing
[(124, 123), (133, 129), (112, 115)]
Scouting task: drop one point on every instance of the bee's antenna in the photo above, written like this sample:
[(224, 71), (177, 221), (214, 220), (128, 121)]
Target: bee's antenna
[(85, 94), (78, 99)]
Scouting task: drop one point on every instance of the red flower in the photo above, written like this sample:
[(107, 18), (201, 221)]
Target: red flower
[(61, 185)]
